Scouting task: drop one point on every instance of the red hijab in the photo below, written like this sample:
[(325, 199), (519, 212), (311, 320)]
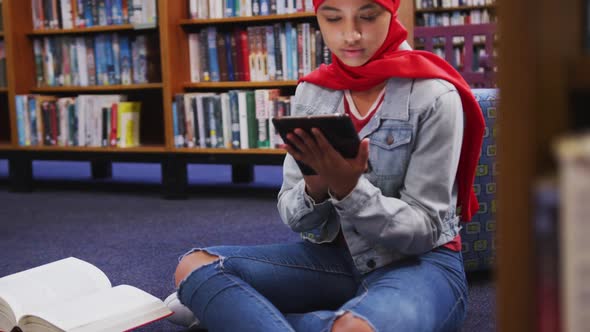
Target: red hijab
[(389, 62)]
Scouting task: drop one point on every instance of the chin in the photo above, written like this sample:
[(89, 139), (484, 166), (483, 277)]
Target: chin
[(353, 63)]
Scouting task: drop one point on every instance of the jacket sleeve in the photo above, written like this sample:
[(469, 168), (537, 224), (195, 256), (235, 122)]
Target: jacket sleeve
[(412, 223), (297, 209)]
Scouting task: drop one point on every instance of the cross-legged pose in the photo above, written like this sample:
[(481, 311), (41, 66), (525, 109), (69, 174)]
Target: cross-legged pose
[(380, 248)]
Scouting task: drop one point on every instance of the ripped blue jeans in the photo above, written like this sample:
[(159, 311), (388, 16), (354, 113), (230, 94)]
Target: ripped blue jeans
[(306, 287)]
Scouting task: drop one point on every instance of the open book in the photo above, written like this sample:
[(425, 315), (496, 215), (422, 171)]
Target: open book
[(73, 295)]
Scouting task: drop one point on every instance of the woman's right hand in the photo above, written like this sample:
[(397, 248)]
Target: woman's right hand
[(316, 187)]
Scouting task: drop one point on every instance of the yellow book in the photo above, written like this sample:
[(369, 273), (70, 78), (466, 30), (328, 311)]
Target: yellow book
[(128, 124)]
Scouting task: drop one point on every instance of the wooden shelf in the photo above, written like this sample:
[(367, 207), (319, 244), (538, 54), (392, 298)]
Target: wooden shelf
[(98, 88), (246, 19), (420, 45), (241, 85), (454, 9), (140, 149), (230, 151), (96, 29), (3, 90), (579, 73), (5, 146)]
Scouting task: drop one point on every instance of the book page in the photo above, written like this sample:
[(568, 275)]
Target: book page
[(57, 281), (115, 309)]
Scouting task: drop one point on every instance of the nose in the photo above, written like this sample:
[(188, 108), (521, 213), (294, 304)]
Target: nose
[(351, 33), (352, 36)]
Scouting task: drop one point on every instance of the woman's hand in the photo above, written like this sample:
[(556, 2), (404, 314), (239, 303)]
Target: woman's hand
[(339, 174)]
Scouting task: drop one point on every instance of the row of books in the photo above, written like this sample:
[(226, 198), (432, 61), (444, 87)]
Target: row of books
[(101, 59), (258, 53), (206, 9), (432, 4), (237, 119), (69, 14), (458, 57), (87, 120), (474, 16), (3, 82)]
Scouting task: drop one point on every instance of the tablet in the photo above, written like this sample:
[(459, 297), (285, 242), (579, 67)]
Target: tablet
[(337, 128)]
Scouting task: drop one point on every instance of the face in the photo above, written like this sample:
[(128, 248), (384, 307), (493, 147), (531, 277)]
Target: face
[(353, 29)]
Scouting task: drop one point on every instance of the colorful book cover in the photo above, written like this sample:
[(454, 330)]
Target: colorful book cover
[(128, 124)]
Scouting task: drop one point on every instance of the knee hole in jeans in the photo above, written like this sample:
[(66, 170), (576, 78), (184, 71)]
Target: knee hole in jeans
[(350, 323), (191, 262)]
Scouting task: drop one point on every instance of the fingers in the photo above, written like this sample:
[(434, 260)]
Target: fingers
[(362, 157), (323, 144), (303, 142)]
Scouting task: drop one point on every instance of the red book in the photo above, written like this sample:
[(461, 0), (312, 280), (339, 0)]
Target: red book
[(245, 51), (114, 122)]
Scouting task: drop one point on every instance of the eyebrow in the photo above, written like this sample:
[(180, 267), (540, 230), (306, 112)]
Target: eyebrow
[(334, 9)]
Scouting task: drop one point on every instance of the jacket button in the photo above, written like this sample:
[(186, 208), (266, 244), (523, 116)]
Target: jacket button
[(390, 140), (371, 263)]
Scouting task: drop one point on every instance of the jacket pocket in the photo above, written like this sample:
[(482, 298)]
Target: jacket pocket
[(389, 151)]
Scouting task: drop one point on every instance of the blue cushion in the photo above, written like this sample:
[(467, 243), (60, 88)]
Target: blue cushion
[(478, 236)]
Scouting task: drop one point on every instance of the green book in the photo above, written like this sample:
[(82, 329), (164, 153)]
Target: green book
[(252, 121)]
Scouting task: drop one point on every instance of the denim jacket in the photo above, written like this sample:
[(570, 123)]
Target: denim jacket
[(405, 205)]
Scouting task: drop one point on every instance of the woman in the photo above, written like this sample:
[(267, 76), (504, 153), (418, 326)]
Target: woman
[(381, 249)]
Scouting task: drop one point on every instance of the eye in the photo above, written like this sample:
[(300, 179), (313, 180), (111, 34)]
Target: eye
[(369, 18), (333, 19)]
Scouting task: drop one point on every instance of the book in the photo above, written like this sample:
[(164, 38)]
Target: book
[(573, 155), (73, 295), (128, 125)]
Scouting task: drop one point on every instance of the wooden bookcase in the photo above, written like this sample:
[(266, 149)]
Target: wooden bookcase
[(440, 38), (157, 118), (542, 66)]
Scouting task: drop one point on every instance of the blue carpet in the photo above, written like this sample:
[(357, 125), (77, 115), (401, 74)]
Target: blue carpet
[(135, 236)]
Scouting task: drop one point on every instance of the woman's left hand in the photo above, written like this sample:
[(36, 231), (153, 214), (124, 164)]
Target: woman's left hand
[(315, 151)]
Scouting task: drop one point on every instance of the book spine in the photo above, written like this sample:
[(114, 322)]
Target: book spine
[(20, 119), (222, 59), (243, 113), (193, 43), (252, 121), (213, 60), (261, 98), (125, 60), (204, 56), (226, 120), (218, 119), (234, 119), (229, 58)]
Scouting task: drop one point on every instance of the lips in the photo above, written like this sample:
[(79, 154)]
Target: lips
[(352, 52)]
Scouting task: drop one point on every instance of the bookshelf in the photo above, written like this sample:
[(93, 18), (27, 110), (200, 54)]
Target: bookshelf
[(157, 132), (96, 29), (538, 81), (463, 35)]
